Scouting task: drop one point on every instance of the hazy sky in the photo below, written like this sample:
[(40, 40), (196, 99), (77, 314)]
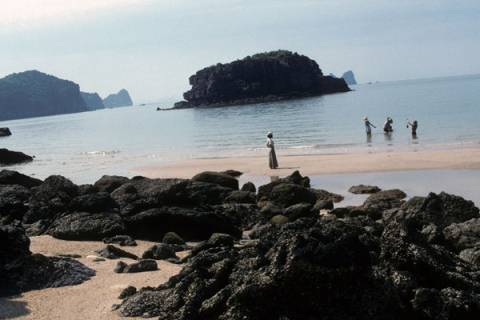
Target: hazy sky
[(151, 48)]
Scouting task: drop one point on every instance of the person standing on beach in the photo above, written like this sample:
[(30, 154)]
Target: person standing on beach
[(272, 157), (387, 126), (414, 126), (367, 125)]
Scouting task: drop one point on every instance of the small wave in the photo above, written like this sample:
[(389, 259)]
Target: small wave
[(102, 153)]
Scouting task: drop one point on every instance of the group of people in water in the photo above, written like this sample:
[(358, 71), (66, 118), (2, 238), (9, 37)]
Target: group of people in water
[(387, 126)]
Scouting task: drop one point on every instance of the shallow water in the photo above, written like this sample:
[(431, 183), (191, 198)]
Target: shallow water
[(84, 146)]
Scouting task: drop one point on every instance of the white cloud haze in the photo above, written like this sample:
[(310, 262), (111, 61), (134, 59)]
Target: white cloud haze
[(151, 47)]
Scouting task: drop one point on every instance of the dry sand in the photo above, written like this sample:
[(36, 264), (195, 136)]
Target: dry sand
[(90, 300), (94, 298), (320, 164)]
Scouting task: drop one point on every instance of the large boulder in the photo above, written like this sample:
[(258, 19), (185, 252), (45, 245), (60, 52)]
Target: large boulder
[(200, 193), (21, 271), (290, 194), (93, 203), (14, 177), (8, 157), (464, 235), (109, 183), (295, 178), (195, 223), (222, 179), (55, 190), (375, 204), (13, 202), (140, 195), (87, 226)]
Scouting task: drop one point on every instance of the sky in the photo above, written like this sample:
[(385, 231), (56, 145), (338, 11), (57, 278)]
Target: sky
[(151, 47)]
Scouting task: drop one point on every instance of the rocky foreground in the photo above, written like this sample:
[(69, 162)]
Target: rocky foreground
[(304, 258)]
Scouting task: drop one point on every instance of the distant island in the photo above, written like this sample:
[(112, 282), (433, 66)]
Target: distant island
[(263, 77), (348, 76), (93, 100), (34, 94), (121, 99)]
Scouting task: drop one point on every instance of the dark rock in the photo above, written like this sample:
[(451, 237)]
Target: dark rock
[(200, 193), (127, 292), (443, 210), (141, 266), (272, 76), (110, 183), (271, 209), (173, 238), (295, 178), (362, 189), (13, 177), (375, 204), (93, 203), (340, 212), (8, 157), (121, 240), (56, 191), (237, 197), (120, 267), (5, 132), (323, 195), (13, 202), (36, 212), (160, 251), (22, 271), (219, 178), (323, 205), (464, 235), (85, 189), (112, 252), (139, 195), (471, 256), (244, 216), (233, 173), (87, 226), (279, 220), (298, 211), (193, 224), (290, 194), (250, 187)]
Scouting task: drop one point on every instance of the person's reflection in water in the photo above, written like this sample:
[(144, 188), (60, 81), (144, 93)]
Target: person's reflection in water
[(369, 139)]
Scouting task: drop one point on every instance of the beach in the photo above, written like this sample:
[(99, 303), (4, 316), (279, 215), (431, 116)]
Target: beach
[(93, 299), (451, 159)]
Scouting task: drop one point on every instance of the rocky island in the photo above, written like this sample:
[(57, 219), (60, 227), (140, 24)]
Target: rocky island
[(264, 77), (34, 94), (120, 99)]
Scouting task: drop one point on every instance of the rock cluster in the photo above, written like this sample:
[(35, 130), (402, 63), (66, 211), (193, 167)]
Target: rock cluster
[(8, 157), (389, 258)]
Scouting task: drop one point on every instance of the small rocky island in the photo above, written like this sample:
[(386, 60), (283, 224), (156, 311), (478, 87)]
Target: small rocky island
[(120, 99), (264, 77)]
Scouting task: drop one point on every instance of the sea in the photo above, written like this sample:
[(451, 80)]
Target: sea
[(85, 146)]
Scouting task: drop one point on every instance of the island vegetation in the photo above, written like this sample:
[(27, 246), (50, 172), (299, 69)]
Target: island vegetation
[(34, 94), (269, 76)]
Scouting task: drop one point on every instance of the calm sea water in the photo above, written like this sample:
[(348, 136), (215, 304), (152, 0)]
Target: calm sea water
[(84, 146)]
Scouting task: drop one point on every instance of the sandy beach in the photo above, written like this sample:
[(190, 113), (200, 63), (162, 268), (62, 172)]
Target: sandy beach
[(90, 300), (94, 298), (451, 159)]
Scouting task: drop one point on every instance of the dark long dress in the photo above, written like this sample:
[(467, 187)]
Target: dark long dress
[(272, 157)]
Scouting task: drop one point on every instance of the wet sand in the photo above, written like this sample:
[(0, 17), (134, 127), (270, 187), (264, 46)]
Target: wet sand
[(452, 159)]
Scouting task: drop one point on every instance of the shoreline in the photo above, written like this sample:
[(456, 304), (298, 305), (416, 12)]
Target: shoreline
[(448, 159)]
